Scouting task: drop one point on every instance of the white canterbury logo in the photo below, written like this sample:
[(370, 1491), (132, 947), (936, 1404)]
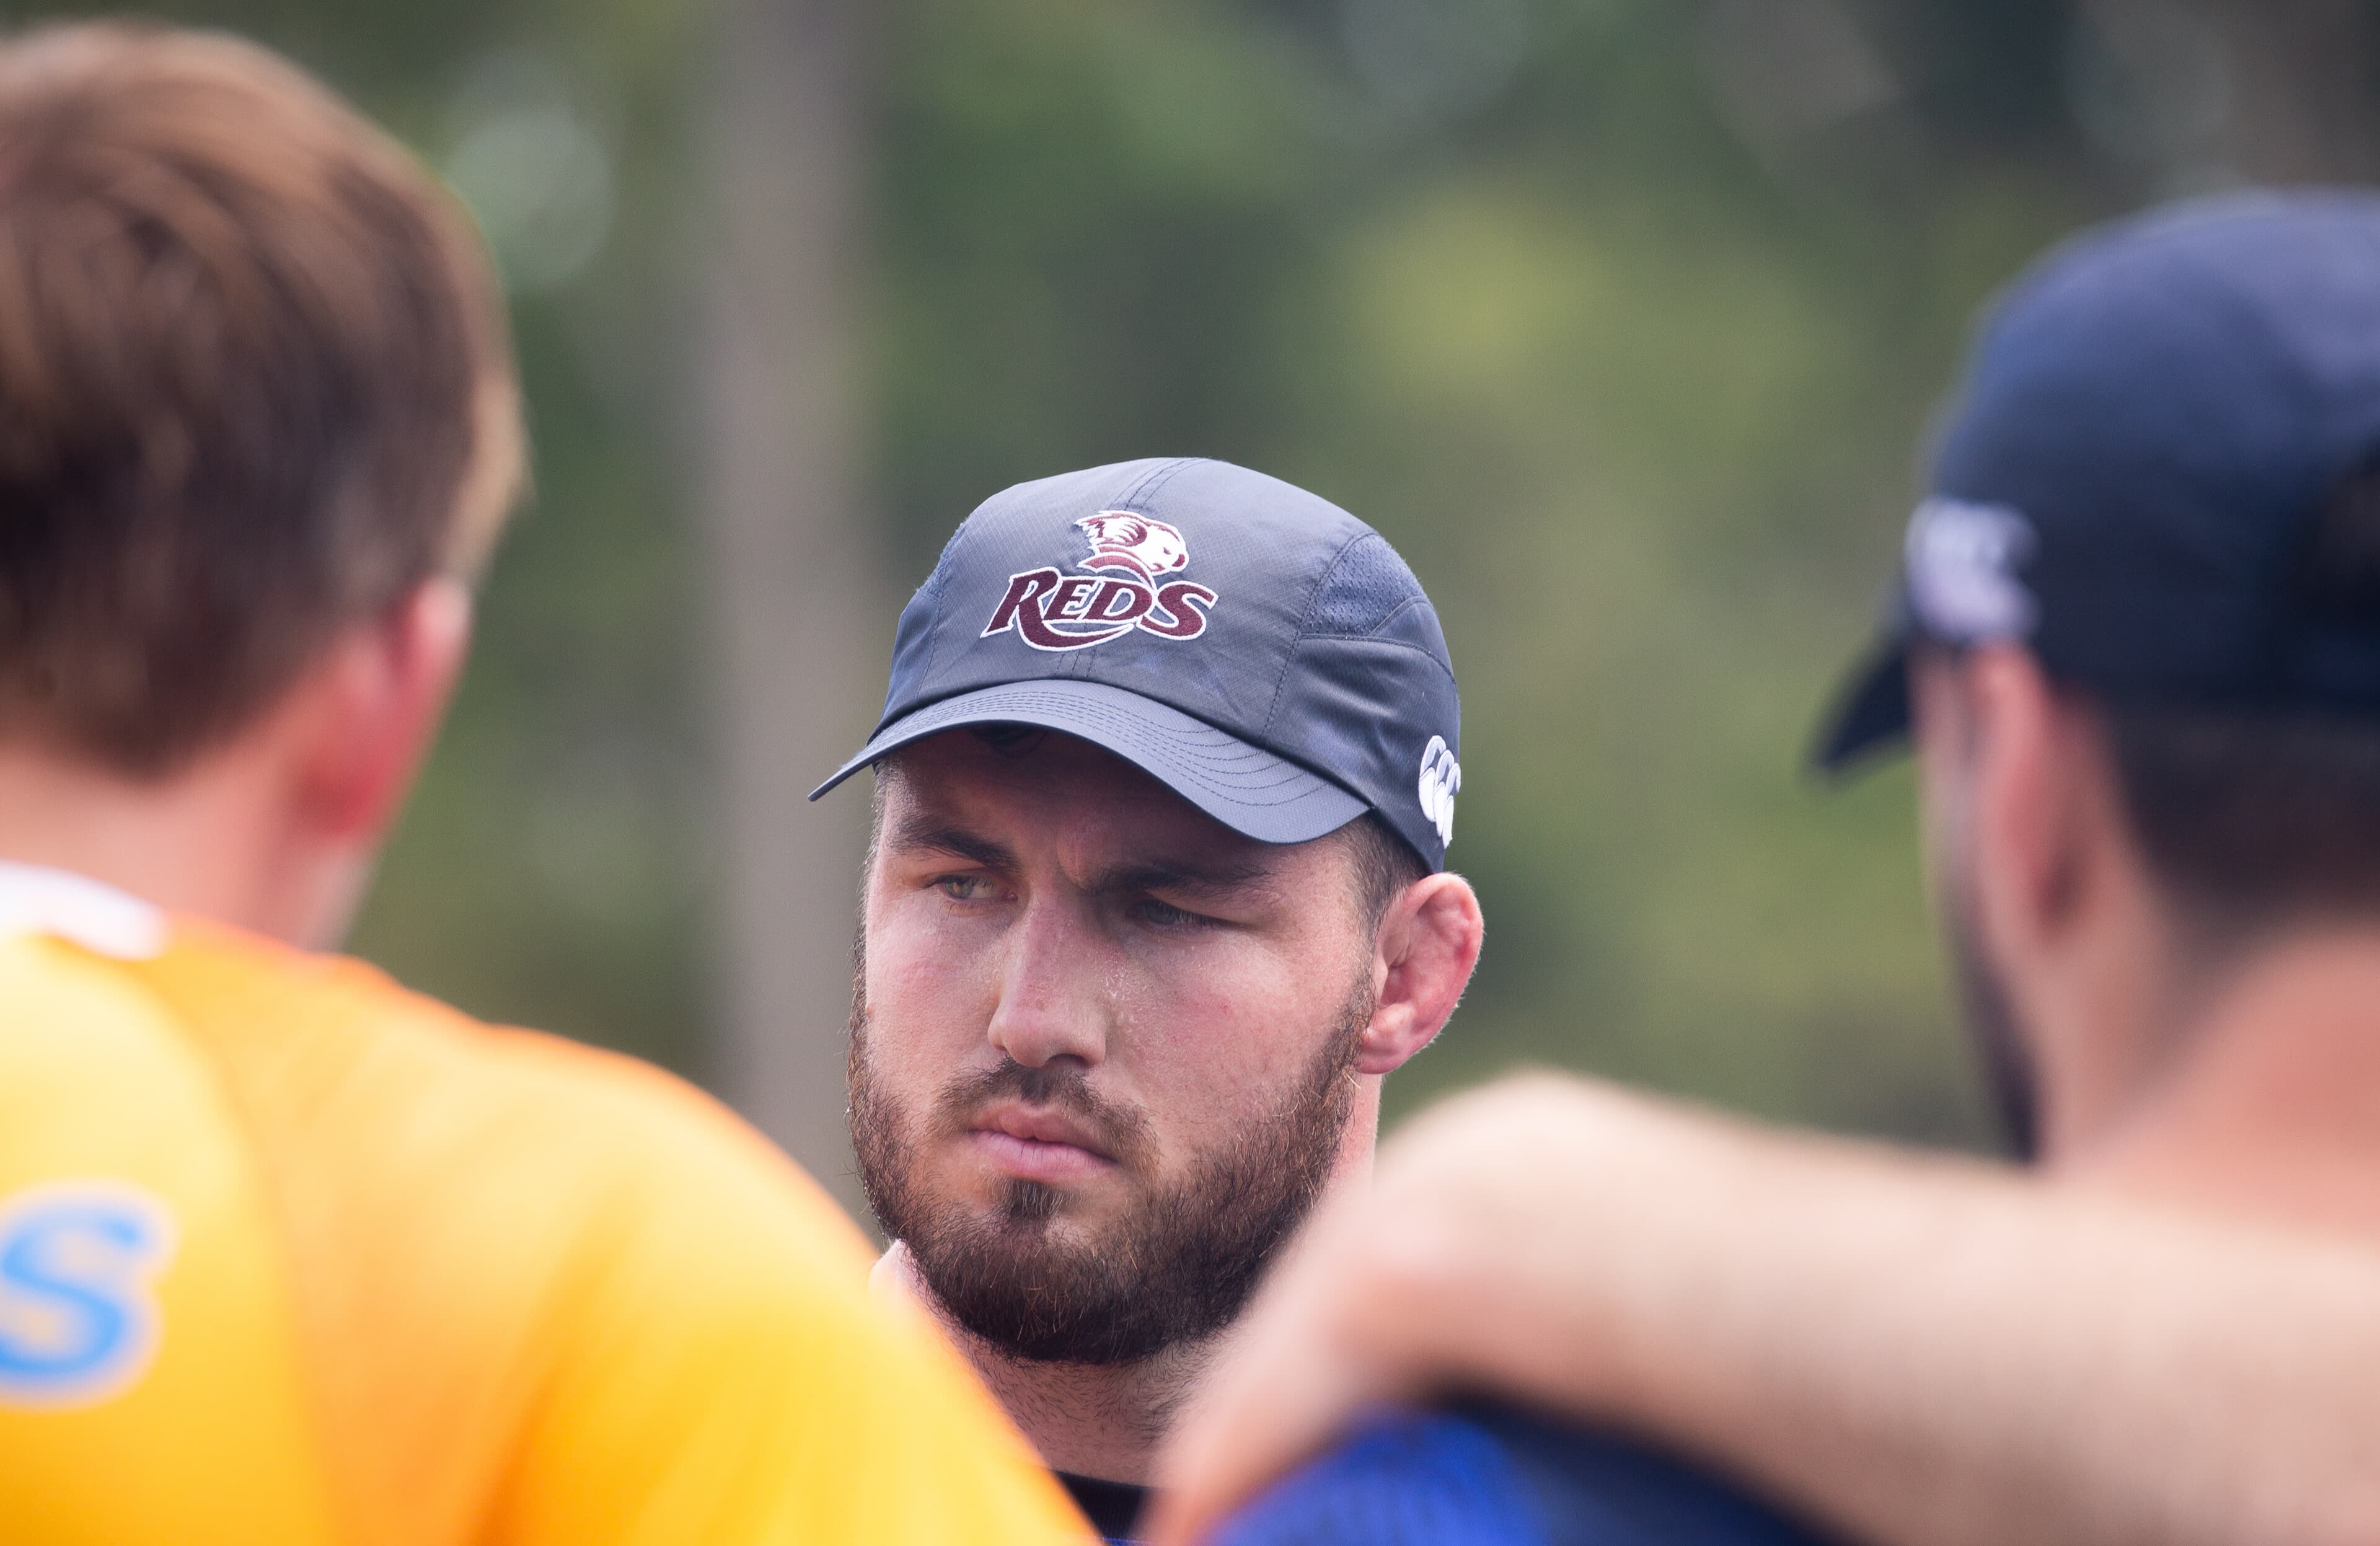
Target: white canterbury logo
[(1441, 777)]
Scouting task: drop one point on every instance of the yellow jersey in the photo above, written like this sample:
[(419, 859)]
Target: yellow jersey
[(289, 1255)]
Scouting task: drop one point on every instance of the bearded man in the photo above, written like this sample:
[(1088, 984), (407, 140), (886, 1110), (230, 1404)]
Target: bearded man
[(1156, 899)]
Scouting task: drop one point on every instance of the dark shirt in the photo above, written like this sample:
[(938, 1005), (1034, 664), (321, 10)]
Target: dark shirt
[(1490, 1477), (1112, 1507)]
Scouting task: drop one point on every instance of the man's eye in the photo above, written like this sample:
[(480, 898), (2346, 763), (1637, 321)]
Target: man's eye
[(1165, 915), (965, 888)]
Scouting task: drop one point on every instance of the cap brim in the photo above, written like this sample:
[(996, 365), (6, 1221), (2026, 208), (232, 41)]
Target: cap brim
[(1870, 716), (1245, 788)]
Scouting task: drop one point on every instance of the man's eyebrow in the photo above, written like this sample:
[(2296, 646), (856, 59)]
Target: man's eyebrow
[(1203, 876), (924, 833)]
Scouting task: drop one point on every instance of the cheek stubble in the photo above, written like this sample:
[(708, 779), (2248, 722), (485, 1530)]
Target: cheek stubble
[(1990, 1018)]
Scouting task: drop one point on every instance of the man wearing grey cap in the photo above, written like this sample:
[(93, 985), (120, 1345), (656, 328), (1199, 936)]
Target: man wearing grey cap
[(2136, 643), (1156, 898)]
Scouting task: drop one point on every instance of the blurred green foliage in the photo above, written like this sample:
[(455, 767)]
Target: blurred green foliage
[(1621, 318)]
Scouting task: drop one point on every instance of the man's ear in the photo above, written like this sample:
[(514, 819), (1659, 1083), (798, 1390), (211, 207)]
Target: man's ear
[(372, 705), (1428, 945), (2034, 804)]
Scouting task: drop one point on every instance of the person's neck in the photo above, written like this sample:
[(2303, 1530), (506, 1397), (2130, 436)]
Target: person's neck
[(196, 844), (1103, 1421), (2268, 1104)]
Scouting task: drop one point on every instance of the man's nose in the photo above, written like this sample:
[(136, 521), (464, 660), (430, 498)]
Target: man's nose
[(1052, 1001)]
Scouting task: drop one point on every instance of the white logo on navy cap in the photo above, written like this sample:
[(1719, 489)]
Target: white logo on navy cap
[(1051, 610), (1441, 777), (1961, 560)]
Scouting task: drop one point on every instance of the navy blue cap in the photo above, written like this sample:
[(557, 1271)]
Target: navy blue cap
[(2152, 421), (1256, 649)]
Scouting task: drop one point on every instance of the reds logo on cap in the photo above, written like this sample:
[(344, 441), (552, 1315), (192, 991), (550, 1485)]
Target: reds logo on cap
[(1052, 610)]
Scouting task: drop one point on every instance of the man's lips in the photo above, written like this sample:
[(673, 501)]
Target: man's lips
[(1036, 1143)]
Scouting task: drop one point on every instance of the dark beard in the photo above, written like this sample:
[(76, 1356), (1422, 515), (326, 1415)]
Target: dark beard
[(1178, 1268), (1991, 1024)]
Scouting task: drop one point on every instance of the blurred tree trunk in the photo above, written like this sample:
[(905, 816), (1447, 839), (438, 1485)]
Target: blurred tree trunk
[(2306, 88), (796, 624)]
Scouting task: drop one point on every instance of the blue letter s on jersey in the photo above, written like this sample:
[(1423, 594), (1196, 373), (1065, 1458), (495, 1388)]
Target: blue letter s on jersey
[(77, 1318)]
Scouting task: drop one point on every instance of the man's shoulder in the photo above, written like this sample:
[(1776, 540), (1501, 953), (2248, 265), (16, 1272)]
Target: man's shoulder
[(1493, 1476), (519, 1268), (491, 1233), (491, 1151)]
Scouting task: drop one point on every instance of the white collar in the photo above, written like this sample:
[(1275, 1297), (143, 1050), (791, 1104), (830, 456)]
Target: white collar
[(36, 900)]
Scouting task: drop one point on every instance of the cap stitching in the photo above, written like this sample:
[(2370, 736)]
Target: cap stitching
[(937, 582), (1386, 618), (1427, 654), (1144, 732), (1156, 479), (1306, 614), (1306, 627)]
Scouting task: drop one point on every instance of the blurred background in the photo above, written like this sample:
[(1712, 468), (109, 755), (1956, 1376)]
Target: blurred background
[(1621, 318)]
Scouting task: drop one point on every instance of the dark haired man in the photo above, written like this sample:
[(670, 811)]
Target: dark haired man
[(1157, 898), (2137, 639), (290, 1256)]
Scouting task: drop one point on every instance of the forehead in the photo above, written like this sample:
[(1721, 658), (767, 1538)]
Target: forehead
[(1024, 781)]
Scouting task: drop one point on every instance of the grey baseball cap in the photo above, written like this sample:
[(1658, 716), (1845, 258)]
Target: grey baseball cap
[(1253, 647)]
